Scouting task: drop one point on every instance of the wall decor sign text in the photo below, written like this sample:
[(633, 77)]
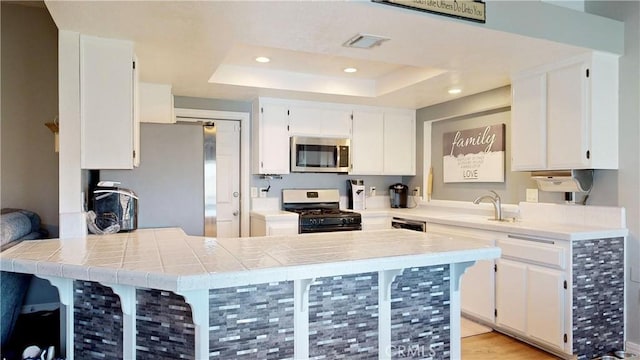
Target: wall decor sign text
[(474, 155), (462, 9)]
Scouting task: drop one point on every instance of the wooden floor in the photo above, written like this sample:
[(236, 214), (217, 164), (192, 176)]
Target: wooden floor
[(495, 346)]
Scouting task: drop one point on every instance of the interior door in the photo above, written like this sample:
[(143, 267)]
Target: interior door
[(222, 179)]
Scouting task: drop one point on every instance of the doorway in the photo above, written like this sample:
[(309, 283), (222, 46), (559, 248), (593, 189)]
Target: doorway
[(221, 178), (242, 119)]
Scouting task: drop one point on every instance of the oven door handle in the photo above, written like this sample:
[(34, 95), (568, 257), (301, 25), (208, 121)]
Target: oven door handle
[(309, 230)]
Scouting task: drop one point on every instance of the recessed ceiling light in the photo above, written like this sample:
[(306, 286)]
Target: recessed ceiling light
[(455, 91), (262, 59), (350, 70)]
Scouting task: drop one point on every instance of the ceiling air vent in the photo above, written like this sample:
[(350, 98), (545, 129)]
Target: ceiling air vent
[(365, 41)]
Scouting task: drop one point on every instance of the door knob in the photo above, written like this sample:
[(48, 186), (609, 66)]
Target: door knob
[(236, 194), (235, 213)]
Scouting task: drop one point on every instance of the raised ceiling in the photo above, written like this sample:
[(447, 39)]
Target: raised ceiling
[(207, 49)]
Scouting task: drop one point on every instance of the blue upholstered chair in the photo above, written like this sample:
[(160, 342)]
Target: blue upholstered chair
[(15, 225)]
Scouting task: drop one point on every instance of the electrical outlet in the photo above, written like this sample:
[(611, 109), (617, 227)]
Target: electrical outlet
[(532, 195), (416, 191), (254, 192), (263, 192), (634, 274), (372, 191)]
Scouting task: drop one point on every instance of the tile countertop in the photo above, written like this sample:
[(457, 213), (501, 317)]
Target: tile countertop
[(536, 228), (553, 221), (168, 259)]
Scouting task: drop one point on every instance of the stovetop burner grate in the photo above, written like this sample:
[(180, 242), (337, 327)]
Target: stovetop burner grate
[(319, 211)]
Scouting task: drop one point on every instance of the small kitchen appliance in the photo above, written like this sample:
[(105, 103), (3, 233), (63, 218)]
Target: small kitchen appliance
[(398, 194), (356, 194), (115, 205), (319, 210)]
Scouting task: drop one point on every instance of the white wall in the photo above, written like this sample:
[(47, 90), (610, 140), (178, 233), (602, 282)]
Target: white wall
[(629, 174), (29, 100)]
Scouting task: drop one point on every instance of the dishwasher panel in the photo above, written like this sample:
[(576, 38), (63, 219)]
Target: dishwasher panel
[(416, 225)]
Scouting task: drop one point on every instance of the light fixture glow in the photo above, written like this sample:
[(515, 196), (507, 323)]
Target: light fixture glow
[(262, 59), (455, 91), (350, 70)]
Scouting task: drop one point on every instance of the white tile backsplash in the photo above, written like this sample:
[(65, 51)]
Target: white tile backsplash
[(571, 214), (265, 204)]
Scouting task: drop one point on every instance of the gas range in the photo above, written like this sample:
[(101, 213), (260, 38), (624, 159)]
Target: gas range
[(319, 210)]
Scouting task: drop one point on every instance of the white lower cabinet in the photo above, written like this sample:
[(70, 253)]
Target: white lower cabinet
[(477, 286), (478, 281), (531, 291), (545, 305), (511, 295), (282, 226), (530, 300), (526, 294)]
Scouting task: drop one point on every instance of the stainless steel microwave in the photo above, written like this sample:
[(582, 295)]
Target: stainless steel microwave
[(314, 154)]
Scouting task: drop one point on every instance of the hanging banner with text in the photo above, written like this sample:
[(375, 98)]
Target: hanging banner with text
[(474, 155), (463, 9)]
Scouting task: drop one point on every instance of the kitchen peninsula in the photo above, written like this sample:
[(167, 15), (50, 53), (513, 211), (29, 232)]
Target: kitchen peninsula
[(163, 294)]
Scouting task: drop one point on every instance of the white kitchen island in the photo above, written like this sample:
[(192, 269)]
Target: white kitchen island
[(159, 293)]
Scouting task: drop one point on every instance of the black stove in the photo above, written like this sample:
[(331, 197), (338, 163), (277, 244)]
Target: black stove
[(319, 211)]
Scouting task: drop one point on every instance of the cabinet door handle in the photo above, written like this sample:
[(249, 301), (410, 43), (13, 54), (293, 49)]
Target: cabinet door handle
[(520, 237)]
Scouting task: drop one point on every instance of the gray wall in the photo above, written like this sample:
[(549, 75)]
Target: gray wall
[(291, 180), (512, 190), (310, 181), (466, 112), (29, 100), (624, 184), (169, 181)]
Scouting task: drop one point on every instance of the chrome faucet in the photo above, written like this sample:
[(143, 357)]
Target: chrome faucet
[(495, 200)]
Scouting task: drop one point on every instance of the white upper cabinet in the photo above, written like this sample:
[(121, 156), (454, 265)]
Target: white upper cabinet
[(156, 103), (270, 138), (367, 150), (319, 120), (399, 143), (529, 123), (382, 140), (107, 97), (565, 115)]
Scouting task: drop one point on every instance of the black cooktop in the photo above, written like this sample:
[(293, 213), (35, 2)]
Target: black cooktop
[(333, 213)]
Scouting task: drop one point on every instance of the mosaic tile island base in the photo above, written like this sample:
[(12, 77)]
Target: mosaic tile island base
[(158, 293)]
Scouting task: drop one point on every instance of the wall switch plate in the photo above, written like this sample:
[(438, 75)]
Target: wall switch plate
[(372, 191), (532, 195), (254, 192), (416, 191), (263, 192)]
